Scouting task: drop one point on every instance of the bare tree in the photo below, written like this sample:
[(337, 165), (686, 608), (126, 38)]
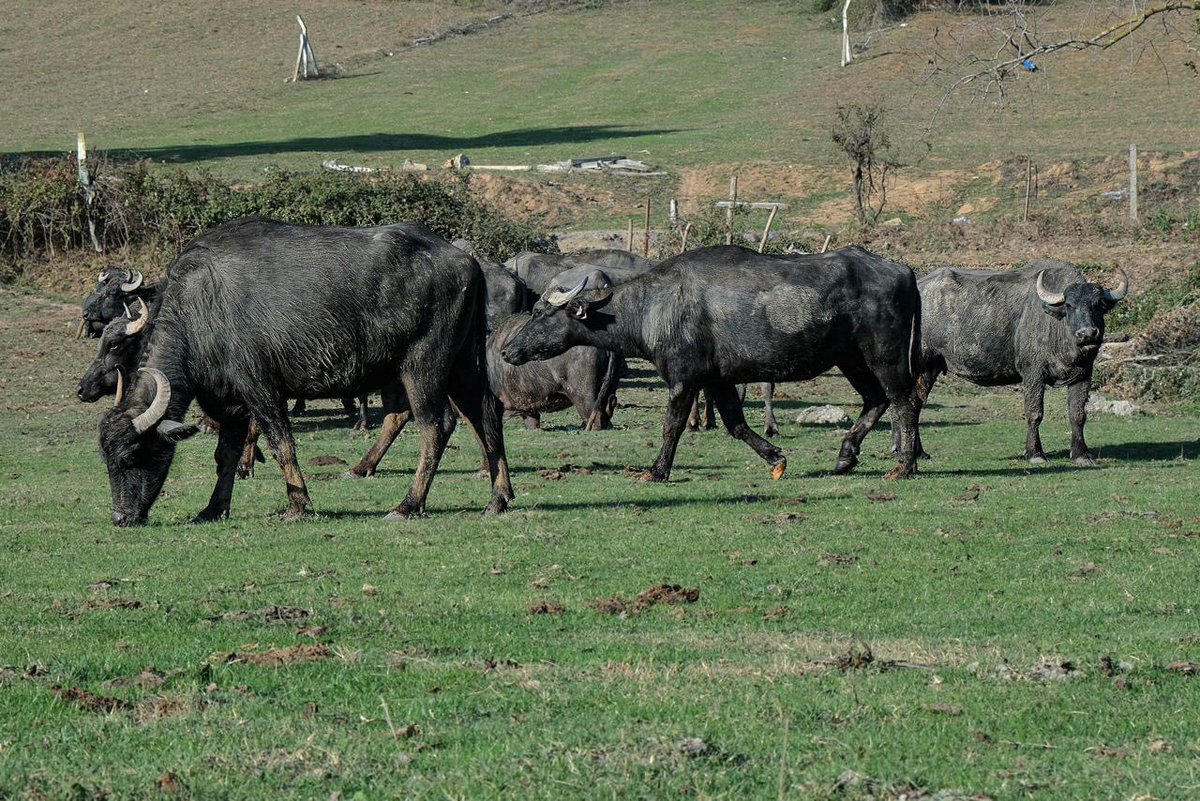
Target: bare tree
[(1017, 43), (859, 132)]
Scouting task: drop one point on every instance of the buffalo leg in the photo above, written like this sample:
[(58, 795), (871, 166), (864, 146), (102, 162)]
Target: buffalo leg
[(250, 452), (278, 433), (925, 382), (230, 440), (299, 407), (396, 414), (875, 403), (770, 426), (729, 404), (694, 415), (357, 411), (683, 398), (1035, 393), (435, 419), (484, 414), (906, 415), (1077, 398)]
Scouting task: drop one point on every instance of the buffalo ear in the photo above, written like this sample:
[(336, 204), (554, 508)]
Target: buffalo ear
[(1058, 311), (578, 310), (173, 431)]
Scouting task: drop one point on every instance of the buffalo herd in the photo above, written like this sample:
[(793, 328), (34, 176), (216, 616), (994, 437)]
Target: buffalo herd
[(255, 313)]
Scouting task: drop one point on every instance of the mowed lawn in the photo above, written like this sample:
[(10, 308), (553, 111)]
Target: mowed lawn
[(987, 628)]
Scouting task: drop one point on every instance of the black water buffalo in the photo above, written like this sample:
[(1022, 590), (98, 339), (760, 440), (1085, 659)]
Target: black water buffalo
[(1038, 326), (715, 317), (120, 346), (537, 269), (583, 377), (256, 311), (116, 289)]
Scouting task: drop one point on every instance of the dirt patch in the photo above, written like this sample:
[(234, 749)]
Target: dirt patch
[(274, 657), (660, 594), (546, 608), (269, 614), (89, 701)]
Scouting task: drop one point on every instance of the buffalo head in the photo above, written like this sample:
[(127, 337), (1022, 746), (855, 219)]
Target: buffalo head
[(1082, 307), (137, 444), (119, 345), (113, 287), (558, 323)]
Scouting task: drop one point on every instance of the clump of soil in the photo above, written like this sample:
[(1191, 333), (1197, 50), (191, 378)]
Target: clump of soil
[(546, 608), (662, 593), (88, 701)]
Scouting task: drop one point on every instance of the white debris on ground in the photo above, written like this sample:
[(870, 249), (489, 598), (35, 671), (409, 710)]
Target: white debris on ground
[(825, 415), (1121, 408)]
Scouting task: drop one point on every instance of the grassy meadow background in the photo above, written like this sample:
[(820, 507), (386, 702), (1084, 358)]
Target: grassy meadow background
[(986, 630)]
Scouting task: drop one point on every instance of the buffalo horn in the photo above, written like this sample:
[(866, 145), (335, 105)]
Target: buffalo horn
[(1114, 295), (560, 299), (136, 326), (134, 282), (120, 387), (79, 330), (158, 407), (1051, 298)]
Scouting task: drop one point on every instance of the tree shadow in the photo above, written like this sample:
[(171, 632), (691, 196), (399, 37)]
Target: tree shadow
[(375, 143)]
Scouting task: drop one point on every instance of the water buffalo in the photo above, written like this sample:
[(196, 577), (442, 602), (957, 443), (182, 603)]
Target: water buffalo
[(116, 289), (1038, 326), (538, 269), (715, 317), (255, 311)]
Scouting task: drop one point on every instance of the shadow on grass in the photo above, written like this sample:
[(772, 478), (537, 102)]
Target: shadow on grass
[(375, 143), (1147, 451)]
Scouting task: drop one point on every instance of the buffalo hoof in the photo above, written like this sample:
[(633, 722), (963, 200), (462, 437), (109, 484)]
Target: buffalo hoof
[(923, 455), (650, 475), (844, 465), (404, 512), (778, 469), (293, 513), (770, 432), (498, 506), (207, 516), (901, 471), (1036, 459), (1084, 460), (354, 473)]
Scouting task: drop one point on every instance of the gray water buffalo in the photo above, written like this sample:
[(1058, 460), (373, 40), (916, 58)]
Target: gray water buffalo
[(1039, 326), (255, 311), (719, 316), (117, 288), (538, 269)]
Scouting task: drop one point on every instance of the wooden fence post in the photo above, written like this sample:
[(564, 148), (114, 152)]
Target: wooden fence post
[(304, 56), (1133, 183), (762, 243), (733, 189), (88, 182), (646, 232)]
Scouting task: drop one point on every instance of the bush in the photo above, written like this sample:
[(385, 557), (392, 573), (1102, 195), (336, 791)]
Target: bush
[(43, 210)]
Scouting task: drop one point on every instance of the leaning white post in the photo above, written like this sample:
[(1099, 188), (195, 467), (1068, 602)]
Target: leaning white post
[(846, 33)]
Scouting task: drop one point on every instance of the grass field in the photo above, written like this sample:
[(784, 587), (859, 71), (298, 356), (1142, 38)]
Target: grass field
[(984, 630), (697, 87)]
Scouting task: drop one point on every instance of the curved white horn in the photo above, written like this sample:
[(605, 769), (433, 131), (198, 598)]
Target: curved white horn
[(128, 313), (100, 277), (135, 326), (134, 282), (79, 330), (1052, 298), (1114, 295), (120, 387), (158, 407), (560, 299)]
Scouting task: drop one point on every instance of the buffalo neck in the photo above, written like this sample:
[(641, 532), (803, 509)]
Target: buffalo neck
[(618, 325)]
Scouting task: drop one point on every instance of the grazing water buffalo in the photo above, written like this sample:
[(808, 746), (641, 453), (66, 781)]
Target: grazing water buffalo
[(715, 317), (116, 289), (1038, 326), (256, 311)]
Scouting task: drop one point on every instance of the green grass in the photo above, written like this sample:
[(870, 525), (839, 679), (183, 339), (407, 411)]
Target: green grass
[(972, 587), (682, 84)]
